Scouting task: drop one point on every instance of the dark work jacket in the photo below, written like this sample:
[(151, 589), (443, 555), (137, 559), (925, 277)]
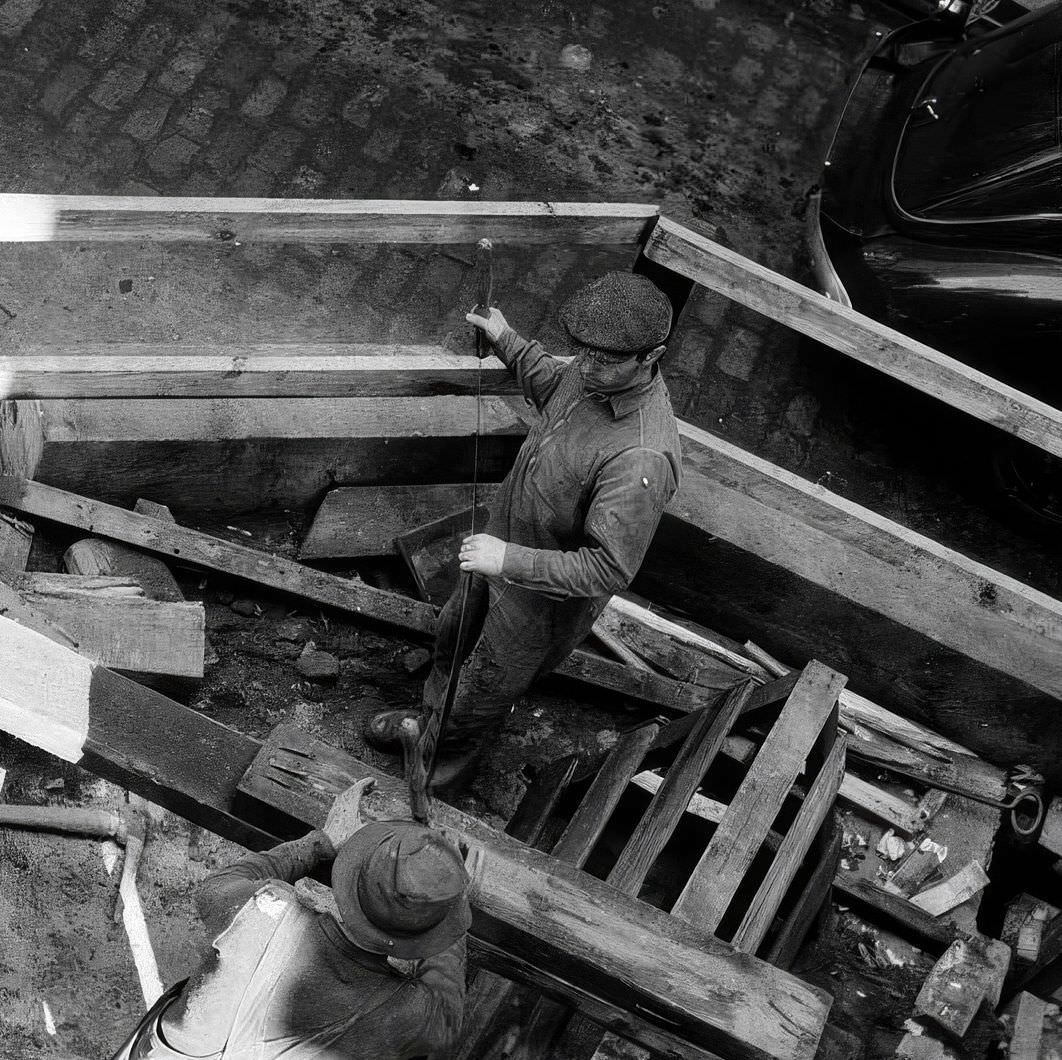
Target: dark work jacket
[(328, 999), (583, 500)]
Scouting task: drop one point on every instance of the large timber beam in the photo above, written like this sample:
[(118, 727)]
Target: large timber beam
[(223, 456), (911, 362), (144, 370), (870, 560), (81, 218), (524, 902), (184, 545)]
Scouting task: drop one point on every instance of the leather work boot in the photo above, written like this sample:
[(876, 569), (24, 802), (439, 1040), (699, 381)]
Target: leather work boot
[(382, 730)]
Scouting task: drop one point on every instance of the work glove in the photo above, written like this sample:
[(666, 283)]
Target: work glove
[(493, 327)]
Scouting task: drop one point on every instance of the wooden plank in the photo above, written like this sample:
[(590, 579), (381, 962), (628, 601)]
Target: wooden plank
[(592, 815), (880, 804), (699, 805), (963, 885), (113, 623), (865, 340), (1050, 951), (686, 773), (226, 456), (742, 831), (577, 927), (202, 550), (83, 218), (358, 521), (16, 540), (184, 545), (430, 552), (791, 853), (786, 944), (128, 733), (1028, 1033), (1051, 834), (489, 993), (131, 370), (623, 611), (662, 1041), (969, 973), (927, 931), (870, 560)]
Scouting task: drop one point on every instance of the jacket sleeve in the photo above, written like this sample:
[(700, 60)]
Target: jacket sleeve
[(536, 371), (629, 496), (223, 893), (442, 980)]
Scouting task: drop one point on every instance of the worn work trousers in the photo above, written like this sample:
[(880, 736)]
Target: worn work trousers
[(515, 636)]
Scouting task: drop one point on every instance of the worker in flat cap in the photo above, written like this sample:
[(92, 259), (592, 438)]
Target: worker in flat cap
[(573, 519), (372, 967)]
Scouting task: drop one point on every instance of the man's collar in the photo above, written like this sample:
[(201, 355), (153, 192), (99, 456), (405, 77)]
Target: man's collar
[(626, 401)]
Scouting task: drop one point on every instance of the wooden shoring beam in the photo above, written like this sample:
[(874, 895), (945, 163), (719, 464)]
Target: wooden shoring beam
[(859, 337), (868, 559), (82, 218), (556, 917), (150, 370), (183, 545)]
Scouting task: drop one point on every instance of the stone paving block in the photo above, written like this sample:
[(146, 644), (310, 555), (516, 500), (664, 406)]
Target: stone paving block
[(119, 85), (172, 156), (252, 182), (112, 160), (180, 72), (15, 15), (104, 42), (128, 10), (737, 358), (149, 116), (264, 98), (305, 183), (152, 44), (38, 50), (313, 106), (277, 151), (81, 134), (60, 94), (229, 145), (195, 118)]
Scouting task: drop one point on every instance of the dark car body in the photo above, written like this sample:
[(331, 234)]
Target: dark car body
[(941, 203)]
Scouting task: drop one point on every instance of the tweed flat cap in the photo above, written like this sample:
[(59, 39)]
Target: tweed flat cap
[(619, 313)]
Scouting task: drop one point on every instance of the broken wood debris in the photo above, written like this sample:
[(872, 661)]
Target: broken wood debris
[(971, 972)]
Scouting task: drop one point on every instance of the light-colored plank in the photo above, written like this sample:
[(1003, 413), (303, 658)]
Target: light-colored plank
[(163, 371), (621, 608), (113, 623), (970, 971), (699, 805), (791, 853), (880, 804), (1051, 836), (164, 420), (1028, 1030), (81, 218), (16, 540), (744, 827), (956, 889), (911, 362), (870, 560), (365, 520)]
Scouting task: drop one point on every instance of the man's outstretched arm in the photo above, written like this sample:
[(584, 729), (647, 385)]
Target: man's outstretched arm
[(536, 371)]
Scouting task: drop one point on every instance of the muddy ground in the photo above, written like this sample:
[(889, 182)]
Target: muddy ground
[(718, 110)]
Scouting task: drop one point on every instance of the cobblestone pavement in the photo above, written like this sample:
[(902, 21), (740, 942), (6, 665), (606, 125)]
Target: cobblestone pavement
[(717, 110)]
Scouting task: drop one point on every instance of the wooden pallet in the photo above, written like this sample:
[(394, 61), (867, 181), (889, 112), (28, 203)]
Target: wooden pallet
[(764, 870)]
